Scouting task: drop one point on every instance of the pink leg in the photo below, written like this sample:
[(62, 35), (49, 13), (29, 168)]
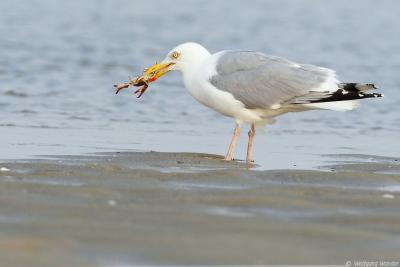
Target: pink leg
[(250, 146), (231, 149)]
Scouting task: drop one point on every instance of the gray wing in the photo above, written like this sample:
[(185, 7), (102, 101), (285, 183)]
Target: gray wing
[(261, 81)]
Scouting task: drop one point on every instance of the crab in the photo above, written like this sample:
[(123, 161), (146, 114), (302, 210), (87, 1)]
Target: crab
[(149, 75), (142, 81)]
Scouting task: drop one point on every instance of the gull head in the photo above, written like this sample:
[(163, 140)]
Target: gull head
[(185, 57)]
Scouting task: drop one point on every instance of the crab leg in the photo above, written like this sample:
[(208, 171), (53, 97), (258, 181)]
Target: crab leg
[(119, 87), (141, 90)]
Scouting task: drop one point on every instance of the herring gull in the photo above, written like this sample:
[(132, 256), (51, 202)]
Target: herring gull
[(252, 87)]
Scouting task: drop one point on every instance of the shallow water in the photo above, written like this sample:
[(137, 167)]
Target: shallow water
[(59, 61)]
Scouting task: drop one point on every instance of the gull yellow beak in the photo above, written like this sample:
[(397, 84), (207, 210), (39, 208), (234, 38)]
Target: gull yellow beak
[(158, 70)]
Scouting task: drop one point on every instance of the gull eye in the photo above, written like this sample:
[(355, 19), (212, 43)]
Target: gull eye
[(175, 55)]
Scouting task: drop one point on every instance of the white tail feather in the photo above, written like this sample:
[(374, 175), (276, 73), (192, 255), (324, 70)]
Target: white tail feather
[(334, 105)]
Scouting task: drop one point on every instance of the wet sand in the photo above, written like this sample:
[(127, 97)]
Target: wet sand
[(184, 208)]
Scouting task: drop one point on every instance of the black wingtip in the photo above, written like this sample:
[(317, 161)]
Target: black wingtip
[(341, 95), (357, 87), (378, 95)]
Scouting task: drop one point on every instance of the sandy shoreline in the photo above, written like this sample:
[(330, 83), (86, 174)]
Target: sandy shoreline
[(185, 208)]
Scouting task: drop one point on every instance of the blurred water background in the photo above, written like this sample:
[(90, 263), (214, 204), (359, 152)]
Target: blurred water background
[(59, 60)]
